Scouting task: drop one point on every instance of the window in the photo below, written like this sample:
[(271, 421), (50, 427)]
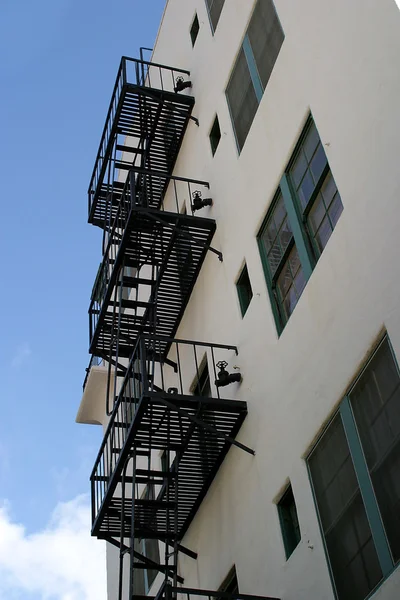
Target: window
[(355, 473), (318, 197), (194, 30), (282, 263), (244, 290), (215, 135), (202, 386), (230, 584), (303, 214), (289, 522), (214, 8), (253, 67), (148, 548)]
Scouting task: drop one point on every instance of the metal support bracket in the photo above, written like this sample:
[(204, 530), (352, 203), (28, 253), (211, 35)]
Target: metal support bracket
[(185, 234), (206, 426)]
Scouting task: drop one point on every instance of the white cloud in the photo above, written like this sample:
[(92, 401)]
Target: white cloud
[(22, 353), (61, 562)]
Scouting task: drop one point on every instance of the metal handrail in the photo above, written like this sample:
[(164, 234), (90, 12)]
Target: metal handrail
[(140, 79), (139, 371), (127, 202)]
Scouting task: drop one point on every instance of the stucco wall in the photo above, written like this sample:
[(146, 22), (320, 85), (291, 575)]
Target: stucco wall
[(340, 59)]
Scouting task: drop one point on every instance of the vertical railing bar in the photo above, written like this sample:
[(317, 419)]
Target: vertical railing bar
[(214, 369), (197, 366), (179, 366)]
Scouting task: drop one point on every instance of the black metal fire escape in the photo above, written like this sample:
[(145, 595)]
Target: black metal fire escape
[(165, 440)]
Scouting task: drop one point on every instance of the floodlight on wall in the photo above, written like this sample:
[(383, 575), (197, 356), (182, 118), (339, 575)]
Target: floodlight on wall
[(198, 202), (181, 85), (225, 378)]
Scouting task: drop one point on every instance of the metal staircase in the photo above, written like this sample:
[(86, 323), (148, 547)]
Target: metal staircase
[(169, 428)]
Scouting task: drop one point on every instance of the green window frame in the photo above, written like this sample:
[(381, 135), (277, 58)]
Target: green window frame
[(289, 522), (244, 290), (289, 260), (355, 483), (253, 67)]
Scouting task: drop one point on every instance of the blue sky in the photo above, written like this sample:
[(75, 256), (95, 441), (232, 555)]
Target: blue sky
[(58, 64)]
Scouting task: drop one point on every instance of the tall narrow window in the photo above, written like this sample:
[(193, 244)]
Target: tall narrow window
[(194, 30), (230, 584), (202, 386), (283, 267), (245, 293), (149, 547), (215, 135), (214, 8), (355, 472), (315, 188), (252, 70), (289, 522)]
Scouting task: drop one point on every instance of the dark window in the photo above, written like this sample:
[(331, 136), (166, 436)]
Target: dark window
[(253, 67), (266, 37), (289, 521), (355, 472), (215, 135), (304, 213), (149, 547), (315, 188), (242, 99), (194, 30), (244, 290), (230, 584), (202, 385), (214, 8)]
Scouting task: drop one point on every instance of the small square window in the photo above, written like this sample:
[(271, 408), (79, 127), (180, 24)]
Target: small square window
[(215, 135), (289, 521), (244, 290), (194, 30)]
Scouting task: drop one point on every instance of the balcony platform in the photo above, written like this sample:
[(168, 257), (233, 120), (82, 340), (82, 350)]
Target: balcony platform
[(163, 421), (176, 245)]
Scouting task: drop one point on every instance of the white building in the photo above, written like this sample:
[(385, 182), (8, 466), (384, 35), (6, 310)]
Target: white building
[(292, 126)]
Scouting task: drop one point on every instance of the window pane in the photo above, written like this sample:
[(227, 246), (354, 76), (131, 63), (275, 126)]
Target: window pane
[(242, 99), (306, 189), (214, 10), (376, 404), (290, 283), (276, 235), (325, 212), (352, 555), (311, 142), (318, 163), (266, 37), (298, 169), (335, 210), (323, 234), (319, 200)]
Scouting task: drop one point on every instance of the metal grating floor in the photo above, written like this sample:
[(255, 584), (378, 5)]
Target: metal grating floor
[(157, 425)]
